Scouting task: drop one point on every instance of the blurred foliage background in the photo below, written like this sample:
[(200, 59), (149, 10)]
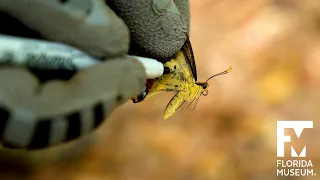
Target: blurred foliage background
[(274, 49)]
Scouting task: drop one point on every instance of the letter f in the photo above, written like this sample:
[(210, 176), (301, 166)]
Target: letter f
[(281, 138)]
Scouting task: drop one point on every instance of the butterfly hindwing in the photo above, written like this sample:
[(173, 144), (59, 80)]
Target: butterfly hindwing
[(168, 82), (183, 74), (174, 104)]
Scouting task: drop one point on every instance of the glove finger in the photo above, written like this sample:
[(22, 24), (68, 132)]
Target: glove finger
[(88, 25), (34, 116), (156, 26), (184, 8)]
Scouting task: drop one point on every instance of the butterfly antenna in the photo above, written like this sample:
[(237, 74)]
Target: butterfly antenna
[(221, 73), (196, 103)]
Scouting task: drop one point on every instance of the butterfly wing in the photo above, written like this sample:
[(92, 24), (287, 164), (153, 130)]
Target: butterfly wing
[(167, 82), (184, 72), (189, 58), (174, 104)]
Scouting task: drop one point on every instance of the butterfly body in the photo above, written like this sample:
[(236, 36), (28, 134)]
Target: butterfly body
[(181, 79)]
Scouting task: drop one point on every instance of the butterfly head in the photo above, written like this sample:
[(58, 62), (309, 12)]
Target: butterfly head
[(205, 85)]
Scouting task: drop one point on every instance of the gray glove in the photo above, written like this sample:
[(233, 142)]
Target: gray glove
[(36, 115)]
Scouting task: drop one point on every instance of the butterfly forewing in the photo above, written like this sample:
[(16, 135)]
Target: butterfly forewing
[(189, 58)]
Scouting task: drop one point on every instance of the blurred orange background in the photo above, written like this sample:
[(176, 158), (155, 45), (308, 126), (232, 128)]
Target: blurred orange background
[(274, 49)]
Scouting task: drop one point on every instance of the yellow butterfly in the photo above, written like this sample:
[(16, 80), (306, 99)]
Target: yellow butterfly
[(181, 78)]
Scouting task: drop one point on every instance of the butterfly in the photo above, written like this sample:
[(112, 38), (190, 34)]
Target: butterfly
[(182, 78)]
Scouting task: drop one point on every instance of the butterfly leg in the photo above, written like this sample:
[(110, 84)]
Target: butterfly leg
[(181, 106), (196, 103), (191, 103)]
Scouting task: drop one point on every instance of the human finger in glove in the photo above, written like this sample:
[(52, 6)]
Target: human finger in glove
[(36, 113)]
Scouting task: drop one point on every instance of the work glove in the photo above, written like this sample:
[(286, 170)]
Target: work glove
[(42, 108)]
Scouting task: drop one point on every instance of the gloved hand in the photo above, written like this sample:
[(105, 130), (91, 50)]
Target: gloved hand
[(35, 115)]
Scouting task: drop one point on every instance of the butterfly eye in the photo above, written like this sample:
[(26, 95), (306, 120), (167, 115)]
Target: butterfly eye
[(204, 85), (205, 92)]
